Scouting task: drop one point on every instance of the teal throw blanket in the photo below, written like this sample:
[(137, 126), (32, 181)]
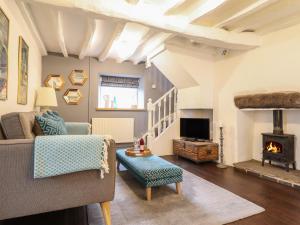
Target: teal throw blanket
[(63, 154)]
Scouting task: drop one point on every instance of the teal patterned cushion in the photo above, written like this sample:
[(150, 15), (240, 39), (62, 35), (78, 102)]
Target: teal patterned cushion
[(54, 115), (51, 126)]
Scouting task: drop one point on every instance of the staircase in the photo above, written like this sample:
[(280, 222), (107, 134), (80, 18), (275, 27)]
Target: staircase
[(162, 115)]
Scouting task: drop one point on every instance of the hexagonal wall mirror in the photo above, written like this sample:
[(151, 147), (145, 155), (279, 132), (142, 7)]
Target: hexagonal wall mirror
[(72, 96), (55, 81), (78, 77)]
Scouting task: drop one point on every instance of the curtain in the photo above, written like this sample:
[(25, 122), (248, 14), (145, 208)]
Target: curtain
[(115, 81)]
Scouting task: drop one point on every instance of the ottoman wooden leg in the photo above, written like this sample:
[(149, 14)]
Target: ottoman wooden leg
[(106, 212), (148, 193), (178, 188)]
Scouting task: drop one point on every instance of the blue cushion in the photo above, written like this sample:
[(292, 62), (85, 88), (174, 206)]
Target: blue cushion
[(50, 126), (54, 116), (152, 168)]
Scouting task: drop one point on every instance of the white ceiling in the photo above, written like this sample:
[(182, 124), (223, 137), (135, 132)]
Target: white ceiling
[(134, 29)]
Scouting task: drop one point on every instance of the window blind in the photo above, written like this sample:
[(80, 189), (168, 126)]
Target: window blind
[(116, 81)]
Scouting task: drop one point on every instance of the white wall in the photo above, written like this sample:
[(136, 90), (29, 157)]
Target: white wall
[(19, 27), (274, 66)]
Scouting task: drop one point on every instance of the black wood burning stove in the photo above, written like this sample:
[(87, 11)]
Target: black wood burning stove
[(278, 146)]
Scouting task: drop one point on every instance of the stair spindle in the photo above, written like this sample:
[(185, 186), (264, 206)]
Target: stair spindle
[(159, 115), (153, 121), (175, 104), (170, 108), (165, 113)]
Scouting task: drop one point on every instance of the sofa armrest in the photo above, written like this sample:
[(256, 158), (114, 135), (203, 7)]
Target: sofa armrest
[(18, 188), (76, 128)]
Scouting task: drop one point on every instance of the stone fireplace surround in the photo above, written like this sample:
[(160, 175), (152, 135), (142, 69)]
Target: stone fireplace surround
[(253, 121)]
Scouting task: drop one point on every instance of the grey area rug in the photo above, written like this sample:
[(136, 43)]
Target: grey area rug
[(201, 203)]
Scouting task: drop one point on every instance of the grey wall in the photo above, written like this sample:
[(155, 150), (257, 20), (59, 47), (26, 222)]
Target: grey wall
[(87, 107)]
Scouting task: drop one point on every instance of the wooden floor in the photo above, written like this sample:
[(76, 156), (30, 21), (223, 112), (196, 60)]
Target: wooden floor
[(282, 203)]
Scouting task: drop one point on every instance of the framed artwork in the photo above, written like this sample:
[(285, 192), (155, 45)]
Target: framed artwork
[(4, 36), (23, 72), (72, 96), (78, 77), (55, 81)]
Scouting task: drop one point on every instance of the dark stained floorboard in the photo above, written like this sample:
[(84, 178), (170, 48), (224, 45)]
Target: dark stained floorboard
[(282, 203)]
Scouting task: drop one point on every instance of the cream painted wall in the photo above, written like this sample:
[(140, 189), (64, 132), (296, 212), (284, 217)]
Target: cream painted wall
[(19, 27), (272, 67)]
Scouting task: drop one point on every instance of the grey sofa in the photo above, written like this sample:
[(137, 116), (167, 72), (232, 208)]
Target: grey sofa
[(21, 195)]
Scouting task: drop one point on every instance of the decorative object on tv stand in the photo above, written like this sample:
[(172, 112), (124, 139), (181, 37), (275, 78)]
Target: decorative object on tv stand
[(55, 81), (78, 77), (4, 29), (72, 96), (46, 97), (221, 164), (23, 72)]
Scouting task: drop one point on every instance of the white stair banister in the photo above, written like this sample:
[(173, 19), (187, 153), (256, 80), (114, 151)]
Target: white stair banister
[(170, 109), (153, 121), (159, 115), (165, 112), (175, 104), (163, 117), (150, 111)]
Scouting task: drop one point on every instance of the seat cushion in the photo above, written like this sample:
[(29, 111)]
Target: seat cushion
[(12, 127), (1, 133), (27, 122), (150, 168), (18, 125)]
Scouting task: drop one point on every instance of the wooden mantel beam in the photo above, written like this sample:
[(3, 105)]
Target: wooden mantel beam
[(129, 13)]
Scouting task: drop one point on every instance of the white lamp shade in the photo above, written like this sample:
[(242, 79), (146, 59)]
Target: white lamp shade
[(46, 97)]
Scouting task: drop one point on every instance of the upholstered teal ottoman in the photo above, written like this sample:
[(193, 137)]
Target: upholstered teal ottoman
[(151, 171)]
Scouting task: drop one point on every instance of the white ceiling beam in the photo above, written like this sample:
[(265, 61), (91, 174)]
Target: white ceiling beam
[(133, 1), (139, 45), (276, 12), (89, 37), (30, 21), (126, 12), (105, 53), (154, 42), (258, 5), (172, 4), (60, 33), (205, 8)]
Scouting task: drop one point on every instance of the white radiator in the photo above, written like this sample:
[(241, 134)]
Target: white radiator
[(121, 129)]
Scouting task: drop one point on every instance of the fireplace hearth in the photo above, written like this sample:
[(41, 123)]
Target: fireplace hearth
[(278, 146)]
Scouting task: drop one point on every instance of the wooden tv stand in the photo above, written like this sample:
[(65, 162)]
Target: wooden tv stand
[(198, 151)]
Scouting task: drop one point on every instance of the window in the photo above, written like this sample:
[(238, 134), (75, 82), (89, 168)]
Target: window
[(119, 92)]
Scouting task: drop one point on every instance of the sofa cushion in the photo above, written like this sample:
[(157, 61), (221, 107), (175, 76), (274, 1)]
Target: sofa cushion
[(27, 122), (1, 133), (12, 127), (50, 126)]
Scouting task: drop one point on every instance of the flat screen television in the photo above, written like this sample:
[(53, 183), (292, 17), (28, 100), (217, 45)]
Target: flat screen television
[(194, 128)]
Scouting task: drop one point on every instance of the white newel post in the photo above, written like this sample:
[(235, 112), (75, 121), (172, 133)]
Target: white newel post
[(149, 109), (165, 112), (153, 120), (159, 122), (150, 122), (175, 103), (170, 108)]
